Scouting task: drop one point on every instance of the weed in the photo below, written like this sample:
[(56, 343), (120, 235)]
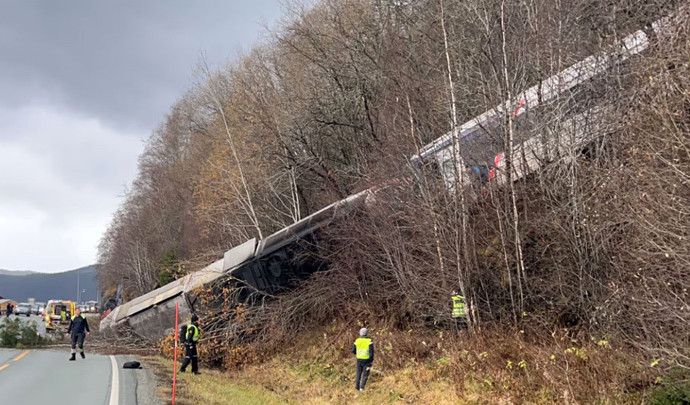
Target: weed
[(673, 393)]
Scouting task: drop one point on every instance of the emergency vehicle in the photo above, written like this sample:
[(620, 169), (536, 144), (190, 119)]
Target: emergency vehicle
[(57, 315)]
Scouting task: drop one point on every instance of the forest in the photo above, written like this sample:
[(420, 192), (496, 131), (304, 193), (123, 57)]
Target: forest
[(591, 249)]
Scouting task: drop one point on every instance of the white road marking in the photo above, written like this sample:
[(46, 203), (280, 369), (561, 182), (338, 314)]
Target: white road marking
[(115, 385)]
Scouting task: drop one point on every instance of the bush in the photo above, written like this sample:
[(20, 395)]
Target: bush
[(17, 335), (671, 394), (29, 336), (9, 332)]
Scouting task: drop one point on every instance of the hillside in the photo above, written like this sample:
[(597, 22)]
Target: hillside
[(15, 273), (572, 264), (22, 285)]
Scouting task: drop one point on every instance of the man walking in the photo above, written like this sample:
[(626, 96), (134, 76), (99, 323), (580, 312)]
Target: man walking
[(79, 328), (363, 349), (192, 337), (459, 316)]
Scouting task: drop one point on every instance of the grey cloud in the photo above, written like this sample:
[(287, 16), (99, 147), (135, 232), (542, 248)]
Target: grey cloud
[(82, 84), (125, 61)]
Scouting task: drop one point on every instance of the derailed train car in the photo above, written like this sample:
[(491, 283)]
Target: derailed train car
[(275, 263), (270, 265), (473, 151)]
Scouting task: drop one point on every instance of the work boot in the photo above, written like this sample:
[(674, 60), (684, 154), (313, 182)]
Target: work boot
[(181, 370), (196, 373), (83, 356), (74, 357)]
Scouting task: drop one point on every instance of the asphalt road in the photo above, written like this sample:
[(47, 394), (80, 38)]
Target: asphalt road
[(30, 377)]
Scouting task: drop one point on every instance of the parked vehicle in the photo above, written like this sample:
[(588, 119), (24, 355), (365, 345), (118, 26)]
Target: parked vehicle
[(57, 315), (23, 309), (40, 307), (93, 306)]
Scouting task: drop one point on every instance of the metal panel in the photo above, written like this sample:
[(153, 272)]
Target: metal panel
[(239, 254), (158, 321), (568, 78), (311, 223), (109, 320), (204, 276), (169, 290)]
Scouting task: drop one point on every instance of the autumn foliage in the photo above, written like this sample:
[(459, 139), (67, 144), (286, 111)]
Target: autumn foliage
[(593, 247)]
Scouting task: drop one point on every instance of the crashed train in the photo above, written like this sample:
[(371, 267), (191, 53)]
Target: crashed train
[(270, 265), (474, 149)]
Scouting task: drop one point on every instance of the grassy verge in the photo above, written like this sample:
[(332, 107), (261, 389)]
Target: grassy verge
[(211, 387), (279, 382), (433, 368)]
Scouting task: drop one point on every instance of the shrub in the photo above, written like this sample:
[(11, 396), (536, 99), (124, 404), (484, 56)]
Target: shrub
[(17, 335), (9, 332), (671, 394)]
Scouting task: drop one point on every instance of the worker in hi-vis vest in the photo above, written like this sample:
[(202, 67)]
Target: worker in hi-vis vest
[(78, 329), (190, 342), (459, 315), (363, 349)]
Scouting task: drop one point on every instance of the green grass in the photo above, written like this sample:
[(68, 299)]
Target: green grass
[(211, 387), (214, 389)]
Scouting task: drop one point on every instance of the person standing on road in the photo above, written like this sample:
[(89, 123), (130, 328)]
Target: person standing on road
[(79, 328), (191, 339), (459, 315), (10, 307), (363, 349)]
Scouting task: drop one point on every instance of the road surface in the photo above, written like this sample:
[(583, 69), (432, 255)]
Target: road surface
[(35, 377)]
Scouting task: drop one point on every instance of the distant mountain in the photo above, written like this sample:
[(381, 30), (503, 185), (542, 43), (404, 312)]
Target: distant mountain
[(22, 285), (16, 273)]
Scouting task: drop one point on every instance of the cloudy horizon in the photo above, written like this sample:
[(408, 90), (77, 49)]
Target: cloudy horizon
[(82, 86)]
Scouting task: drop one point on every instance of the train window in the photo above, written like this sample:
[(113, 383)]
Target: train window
[(450, 173)]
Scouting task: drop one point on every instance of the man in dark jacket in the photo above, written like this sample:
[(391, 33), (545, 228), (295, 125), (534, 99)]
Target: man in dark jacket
[(363, 349), (191, 339), (79, 328)]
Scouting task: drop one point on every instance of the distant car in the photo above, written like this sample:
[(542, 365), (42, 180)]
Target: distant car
[(23, 309), (93, 306)]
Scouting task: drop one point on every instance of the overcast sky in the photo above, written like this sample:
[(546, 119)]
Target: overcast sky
[(82, 85)]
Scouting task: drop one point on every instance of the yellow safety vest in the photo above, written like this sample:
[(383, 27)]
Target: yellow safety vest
[(190, 328), (458, 306), (362, 345)]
